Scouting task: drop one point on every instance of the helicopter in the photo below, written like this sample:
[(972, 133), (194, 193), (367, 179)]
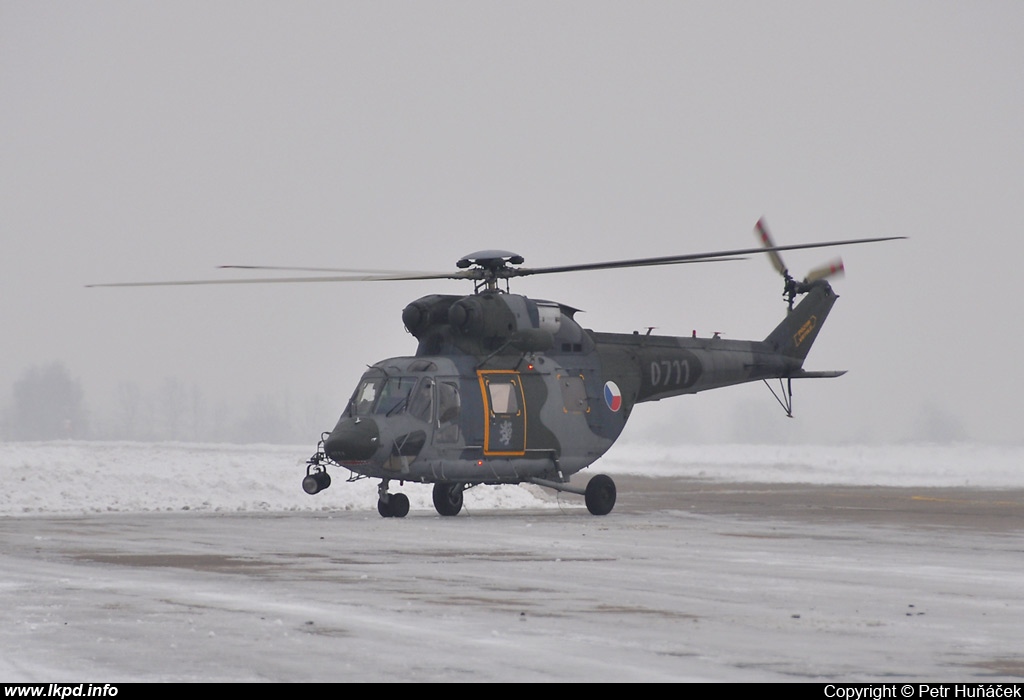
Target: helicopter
[(506, 389)]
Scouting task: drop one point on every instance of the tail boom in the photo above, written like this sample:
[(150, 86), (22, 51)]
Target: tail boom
[(651, 368)]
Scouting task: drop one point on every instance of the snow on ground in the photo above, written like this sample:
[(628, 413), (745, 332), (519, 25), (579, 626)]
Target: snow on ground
[(95, 477)]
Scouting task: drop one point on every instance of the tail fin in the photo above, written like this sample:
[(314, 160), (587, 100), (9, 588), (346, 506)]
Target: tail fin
[(795, 335)]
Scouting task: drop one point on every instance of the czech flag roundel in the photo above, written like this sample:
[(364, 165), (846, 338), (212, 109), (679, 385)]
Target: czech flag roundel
[(612, 396)]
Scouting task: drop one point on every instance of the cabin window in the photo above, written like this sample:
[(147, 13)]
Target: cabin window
[(503, 397)]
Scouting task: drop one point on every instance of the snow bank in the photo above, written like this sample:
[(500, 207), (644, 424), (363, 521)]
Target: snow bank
[(92, 477)]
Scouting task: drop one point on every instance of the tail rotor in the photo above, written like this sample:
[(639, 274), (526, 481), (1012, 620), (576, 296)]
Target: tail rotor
[(793, 288), (832, 269)]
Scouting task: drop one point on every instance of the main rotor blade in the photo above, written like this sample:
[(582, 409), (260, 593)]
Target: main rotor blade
[(477, 273), (288, 280), (615, 264), (693, 257), (349, 270)]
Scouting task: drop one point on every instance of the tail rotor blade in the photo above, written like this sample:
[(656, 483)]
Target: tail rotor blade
[(831, 269), (761, 231)]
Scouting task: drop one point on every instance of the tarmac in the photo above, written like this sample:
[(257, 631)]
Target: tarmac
[(684, 581)]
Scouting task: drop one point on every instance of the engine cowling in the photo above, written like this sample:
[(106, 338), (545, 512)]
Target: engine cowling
[(490, 321), (482, 316)]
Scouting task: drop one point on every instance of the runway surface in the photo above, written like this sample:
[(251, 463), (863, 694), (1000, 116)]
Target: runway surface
[(684, 581)]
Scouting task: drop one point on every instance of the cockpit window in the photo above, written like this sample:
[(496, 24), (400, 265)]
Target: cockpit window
[(448, 402), (394, 396), (448, 405), (382, 395), (366, 396), (421, 402)]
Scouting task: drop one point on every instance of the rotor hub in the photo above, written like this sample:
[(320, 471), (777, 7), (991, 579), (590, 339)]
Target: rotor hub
[(491, 264)]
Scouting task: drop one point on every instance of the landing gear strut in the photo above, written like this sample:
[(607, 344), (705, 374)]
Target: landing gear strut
[(391, 505), (599, 494)]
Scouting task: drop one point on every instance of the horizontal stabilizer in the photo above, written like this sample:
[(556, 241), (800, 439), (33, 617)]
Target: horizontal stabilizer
[(827, 374)]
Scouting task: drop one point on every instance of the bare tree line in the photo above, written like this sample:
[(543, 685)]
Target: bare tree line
[(48, 403)]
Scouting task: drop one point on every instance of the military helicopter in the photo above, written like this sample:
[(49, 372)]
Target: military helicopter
[(505, 389)]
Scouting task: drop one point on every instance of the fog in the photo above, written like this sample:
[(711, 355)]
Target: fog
[(157, 141)]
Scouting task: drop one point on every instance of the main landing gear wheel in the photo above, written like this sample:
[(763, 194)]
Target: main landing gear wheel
[(397, 506), (600, 495), (448, 498)]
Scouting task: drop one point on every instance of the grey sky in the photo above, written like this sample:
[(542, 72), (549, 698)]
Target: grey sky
[(150, 141)]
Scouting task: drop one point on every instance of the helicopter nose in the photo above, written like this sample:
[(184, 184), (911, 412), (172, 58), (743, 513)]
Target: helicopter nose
[(353, 439)]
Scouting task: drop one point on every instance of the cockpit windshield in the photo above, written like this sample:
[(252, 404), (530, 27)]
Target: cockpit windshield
[(382, 396)]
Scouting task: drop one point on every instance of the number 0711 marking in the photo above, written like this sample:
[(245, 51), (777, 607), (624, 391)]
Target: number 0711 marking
[(670, 373)]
